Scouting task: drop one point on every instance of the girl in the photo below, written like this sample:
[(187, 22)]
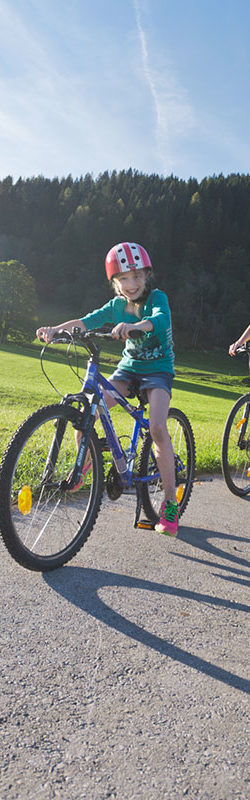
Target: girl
[(136, 306)]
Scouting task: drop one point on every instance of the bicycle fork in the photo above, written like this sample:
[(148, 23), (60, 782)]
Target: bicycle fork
[(83, 422)]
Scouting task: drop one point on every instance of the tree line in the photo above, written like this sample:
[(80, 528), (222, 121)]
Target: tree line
[(197, 234)]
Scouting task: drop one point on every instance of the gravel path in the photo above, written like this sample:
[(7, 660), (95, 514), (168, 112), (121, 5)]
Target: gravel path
[(125, 675)]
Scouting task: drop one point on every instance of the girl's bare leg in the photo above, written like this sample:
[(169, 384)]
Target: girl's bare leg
[(159, 401), (122, 387)]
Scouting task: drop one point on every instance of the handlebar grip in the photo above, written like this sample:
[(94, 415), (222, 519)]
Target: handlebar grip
[(135, 334), (64, 334)]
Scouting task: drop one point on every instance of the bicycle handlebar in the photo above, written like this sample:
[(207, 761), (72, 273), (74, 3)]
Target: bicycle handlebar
[(65, 337), (85, 338), (243, 349)]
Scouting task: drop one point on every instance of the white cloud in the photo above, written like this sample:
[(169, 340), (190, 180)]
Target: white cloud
[(19, 43)]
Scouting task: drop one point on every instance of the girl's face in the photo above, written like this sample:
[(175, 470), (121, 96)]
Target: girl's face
[(131, 284)]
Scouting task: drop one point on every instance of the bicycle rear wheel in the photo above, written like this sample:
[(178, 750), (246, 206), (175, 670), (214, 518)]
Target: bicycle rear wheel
[(236, 448), (183, 444), (42, 524)]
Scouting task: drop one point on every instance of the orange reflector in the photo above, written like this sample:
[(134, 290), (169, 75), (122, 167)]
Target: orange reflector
[(248, 473), (145, 523), (179, 493), (240, 423), (25, 500)]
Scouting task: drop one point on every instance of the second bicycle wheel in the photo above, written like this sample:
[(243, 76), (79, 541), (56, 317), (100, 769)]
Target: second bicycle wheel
[(183, 444), (42, 524), (236, 448)]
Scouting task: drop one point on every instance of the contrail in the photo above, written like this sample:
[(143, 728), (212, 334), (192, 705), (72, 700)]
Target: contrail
[(145, 61), (174, 115)]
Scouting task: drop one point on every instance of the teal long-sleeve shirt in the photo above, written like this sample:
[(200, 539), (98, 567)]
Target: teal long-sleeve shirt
[(153, 351)]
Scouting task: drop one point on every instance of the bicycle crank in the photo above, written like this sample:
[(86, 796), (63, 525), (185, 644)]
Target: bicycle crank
[(114, 485)]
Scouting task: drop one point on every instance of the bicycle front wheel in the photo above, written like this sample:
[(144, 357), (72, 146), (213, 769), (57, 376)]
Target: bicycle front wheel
[(183, 444), (42, 524), (236, 448)]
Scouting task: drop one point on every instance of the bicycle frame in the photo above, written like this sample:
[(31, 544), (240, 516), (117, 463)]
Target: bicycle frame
[(93, 384)]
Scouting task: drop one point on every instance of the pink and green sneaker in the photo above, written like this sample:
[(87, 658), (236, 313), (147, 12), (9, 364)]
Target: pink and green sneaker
[(168, 522)]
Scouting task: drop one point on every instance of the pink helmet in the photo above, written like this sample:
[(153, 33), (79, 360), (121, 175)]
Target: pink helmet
[(125, 256)]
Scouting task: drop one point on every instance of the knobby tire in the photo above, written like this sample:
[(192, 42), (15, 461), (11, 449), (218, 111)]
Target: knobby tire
[(235, 453), (59, 522)]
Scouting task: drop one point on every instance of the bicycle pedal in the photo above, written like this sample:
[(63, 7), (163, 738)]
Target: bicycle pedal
[(146, 524)]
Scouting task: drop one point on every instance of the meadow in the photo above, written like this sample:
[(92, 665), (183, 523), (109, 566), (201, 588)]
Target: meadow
[(205, 387)]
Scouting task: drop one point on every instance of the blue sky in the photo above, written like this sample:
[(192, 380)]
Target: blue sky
[(161, 86)]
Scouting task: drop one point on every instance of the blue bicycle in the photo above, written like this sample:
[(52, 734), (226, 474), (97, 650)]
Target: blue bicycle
[(43, 523)]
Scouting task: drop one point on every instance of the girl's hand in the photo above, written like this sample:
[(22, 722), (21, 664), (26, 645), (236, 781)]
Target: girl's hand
[(45, 334), (122, 330)]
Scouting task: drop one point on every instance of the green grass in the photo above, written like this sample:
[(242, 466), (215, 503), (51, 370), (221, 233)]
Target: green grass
[(205, 388)]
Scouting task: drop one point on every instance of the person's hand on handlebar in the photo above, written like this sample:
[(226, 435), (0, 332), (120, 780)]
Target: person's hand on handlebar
[(233, 348), (122, 330), (125, 330), (245, 337), (47, 333)]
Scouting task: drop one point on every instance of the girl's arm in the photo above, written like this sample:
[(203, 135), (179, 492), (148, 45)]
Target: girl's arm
[(48, 332), (95, 319), (245, 336)]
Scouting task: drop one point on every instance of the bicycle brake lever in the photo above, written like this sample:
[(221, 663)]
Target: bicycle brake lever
[(62, 337), (76, 330)]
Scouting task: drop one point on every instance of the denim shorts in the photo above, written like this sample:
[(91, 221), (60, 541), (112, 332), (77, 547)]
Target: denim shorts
[(155, 380)]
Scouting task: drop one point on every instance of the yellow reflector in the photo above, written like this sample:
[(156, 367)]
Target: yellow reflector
[(179, 493), (25, 500), (240, 423), (248, 473)]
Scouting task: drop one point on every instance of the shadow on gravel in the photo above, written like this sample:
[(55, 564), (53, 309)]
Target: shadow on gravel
[(81, 586), (204, 540)]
